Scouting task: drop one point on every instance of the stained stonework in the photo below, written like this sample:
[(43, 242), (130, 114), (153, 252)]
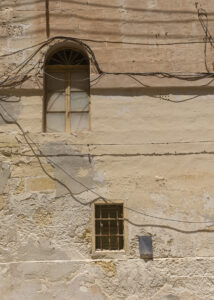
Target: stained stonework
[(150, 146)]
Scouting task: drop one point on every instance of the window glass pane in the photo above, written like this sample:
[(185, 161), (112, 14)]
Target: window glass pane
[(79, 121), (113, 227), (56, 102), (114, 243), (80, 81), (97, 242), (104, 227), (120, 227), (105, 211), (113, 212), (55, 81), (79, 101), (121, 242), (55, 122), (97, 227), (105, 242), (120, 211), (97, 211)]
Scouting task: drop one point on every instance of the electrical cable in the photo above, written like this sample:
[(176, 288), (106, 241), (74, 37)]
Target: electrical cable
[(196, 76), (99, 197), (37, 157), (110, 42), (187, 77)]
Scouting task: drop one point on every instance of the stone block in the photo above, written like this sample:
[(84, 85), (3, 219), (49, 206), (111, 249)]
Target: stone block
[(1, 202), (4, 175), (20, 188), (31, 170), (39, 184)]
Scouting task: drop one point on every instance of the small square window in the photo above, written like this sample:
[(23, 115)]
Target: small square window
[(109, 227)]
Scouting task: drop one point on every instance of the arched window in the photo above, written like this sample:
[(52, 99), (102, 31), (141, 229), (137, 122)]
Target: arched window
[(67, 91)]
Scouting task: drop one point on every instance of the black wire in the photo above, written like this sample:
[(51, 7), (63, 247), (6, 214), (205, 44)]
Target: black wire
[(186, 77), (110, 42), (192, 77), (13, 121), (99, 197), (203, 19), (2, 99)]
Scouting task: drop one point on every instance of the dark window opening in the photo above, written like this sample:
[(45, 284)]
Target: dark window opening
[(67, 92), (67, 57), (109, 227)]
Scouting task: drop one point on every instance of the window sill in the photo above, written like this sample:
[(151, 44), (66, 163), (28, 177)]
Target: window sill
[(109, 254)]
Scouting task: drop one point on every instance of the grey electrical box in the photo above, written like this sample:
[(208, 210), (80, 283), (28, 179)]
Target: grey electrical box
[(145, 247)]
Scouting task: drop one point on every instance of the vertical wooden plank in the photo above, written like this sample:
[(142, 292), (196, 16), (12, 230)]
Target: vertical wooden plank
[(101, 231), (93, 228), (47, 14), (118, 242), (44, 102), (125, 232), (68, 89), (109, 230)]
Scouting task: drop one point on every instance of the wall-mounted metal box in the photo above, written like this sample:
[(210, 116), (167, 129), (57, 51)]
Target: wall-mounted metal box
[(145, 247)]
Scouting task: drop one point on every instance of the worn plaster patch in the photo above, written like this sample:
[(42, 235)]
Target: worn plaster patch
[(1, 202), (108, 267), (71, 168), (99, 177), (20, 187), (208, 201), (40, 248), (43, 216), (124, 111), (4, 175), (170, 297), (81, 290), (13, 107), (82, 172), (14, 30), (87, 236)]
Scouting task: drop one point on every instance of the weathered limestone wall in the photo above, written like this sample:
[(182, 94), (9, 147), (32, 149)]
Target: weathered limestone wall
[(151, 147), (154, 155), (23, 23)]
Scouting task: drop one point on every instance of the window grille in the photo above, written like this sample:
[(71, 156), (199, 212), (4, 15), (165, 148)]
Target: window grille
[(109, 227)]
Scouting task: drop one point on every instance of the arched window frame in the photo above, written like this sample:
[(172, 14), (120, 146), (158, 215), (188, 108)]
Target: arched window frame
[(68, 70)]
